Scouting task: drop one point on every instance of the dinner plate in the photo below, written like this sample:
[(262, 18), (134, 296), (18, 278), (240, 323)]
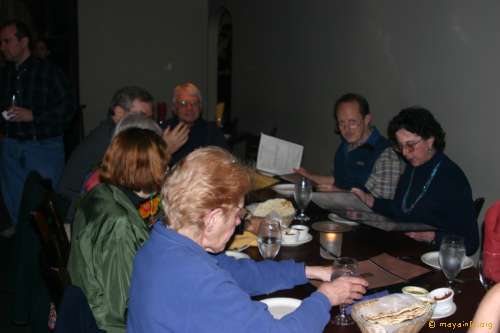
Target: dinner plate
[(237, 255), (335, 218), (307, 239), (440, 315), (284, 189), (281, 306), (432, 259)]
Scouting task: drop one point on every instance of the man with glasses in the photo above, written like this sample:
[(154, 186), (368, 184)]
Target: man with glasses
[(364, 158), (187, 130)]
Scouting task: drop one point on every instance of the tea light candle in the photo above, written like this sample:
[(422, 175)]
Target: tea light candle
[(332, 242)]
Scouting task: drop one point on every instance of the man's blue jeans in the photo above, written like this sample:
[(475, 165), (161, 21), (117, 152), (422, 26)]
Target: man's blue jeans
[(17, 158)]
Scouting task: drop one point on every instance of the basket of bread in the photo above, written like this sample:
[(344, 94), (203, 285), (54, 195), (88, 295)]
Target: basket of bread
[(395, 313), (280, 208)]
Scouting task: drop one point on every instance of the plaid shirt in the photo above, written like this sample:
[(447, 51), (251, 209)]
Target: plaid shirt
[(42, 88), (384, 178)]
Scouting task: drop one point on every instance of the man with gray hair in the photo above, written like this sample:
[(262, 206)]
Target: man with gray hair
[(88, 154), (187, 130)]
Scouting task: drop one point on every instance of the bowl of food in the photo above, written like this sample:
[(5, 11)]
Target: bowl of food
[(418, 292), (280, 208), (443, 298), (395, 313)]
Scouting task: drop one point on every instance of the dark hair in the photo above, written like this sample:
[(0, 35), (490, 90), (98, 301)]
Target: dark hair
[(419, 121), (126, 95), (364, 107), (22, 29)]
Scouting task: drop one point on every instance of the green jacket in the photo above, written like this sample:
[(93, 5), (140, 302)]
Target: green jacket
[(107, 233)]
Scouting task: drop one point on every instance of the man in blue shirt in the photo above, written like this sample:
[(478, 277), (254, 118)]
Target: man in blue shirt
[(364, 158)]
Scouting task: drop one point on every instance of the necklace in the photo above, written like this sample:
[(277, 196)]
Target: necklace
[(404, 205)]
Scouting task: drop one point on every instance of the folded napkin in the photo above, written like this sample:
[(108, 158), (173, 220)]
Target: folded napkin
[(244, 240), (261, 181)]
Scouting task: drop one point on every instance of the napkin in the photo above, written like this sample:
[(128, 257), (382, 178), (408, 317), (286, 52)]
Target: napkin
[(367, 297), (261, 181), (240, 241)]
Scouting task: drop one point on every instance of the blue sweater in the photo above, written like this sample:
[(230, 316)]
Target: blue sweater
[(352, 168), (178, 287), (447, 204)]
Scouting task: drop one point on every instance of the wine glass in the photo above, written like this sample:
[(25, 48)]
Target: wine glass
[(343, 266), (269, 239), (303, 194), (451, 257)]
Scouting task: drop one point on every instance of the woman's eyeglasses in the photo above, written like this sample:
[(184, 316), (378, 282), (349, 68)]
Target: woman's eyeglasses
[(409, 146)]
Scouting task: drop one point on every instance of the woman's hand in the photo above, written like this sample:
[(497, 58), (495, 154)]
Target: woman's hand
[(422, 236), (322, 273), (367, 198), (344, 290)]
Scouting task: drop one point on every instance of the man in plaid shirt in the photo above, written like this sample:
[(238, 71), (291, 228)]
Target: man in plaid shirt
[(364, 159), (37, 108)]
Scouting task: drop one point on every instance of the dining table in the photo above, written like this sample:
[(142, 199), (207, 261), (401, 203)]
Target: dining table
[(364, 242)]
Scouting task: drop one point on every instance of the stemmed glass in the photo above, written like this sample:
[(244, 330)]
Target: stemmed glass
[(343, 266), (451, 257), (303, 194), (269, 238)]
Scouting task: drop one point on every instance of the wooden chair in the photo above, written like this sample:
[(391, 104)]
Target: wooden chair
[(55, 247)]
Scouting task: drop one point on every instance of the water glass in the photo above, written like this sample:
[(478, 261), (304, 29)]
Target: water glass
[(303, 194), (269, 238), (343, 266), (451, 257)]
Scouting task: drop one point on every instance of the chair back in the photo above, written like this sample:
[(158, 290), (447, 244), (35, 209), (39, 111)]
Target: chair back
[(55, 247), (491, 243), (478, 205)]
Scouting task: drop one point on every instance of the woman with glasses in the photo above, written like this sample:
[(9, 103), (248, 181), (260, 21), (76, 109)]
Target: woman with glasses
[(180, 285), (433, 189)]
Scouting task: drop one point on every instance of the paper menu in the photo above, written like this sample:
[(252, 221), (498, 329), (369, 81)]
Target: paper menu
[(278, 156)]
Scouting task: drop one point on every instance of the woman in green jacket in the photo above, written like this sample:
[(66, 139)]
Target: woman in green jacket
[(108, 229)]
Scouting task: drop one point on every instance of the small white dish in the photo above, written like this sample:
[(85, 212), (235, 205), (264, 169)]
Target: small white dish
[(284, 189), (432, 259), (289, 235), (337, 219), (302, 230), (440, 315), (307, 239), (281, 306), (237, 255)]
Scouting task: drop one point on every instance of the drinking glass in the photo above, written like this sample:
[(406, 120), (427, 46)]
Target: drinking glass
[(343, 266), (451, 257), (303, 194), (269, 239)]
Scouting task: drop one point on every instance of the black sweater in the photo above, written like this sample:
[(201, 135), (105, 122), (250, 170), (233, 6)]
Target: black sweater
[(447, 204)]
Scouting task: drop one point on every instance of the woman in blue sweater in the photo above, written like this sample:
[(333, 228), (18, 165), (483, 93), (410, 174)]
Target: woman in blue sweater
[(178, 285), (433, 189)]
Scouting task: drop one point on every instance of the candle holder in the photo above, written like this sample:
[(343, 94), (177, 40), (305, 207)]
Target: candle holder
[(330, 238)]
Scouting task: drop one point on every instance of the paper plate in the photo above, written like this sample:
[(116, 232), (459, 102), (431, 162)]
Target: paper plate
[(237, 255), (432, 259), (281, 306)]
